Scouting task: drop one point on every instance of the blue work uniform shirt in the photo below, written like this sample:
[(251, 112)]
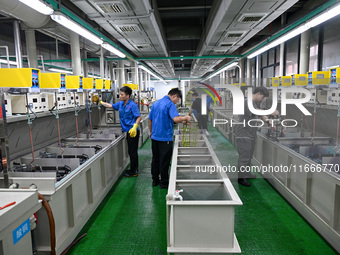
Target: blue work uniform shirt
[(162, 114), (127, 114)]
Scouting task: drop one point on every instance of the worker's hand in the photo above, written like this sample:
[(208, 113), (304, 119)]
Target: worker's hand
[(133, 130), (95, 99), (211, 114), (187, 118), (100, 102)]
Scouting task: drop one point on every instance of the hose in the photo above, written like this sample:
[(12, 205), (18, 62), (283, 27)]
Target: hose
[(90, 124), (77, 131), (337, 132), (73, 244), (100, 120), (32, 148), (50, 221), (62, 150)]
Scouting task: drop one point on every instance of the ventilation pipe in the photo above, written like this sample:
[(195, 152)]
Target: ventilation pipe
[(20, 11), (17, 43)]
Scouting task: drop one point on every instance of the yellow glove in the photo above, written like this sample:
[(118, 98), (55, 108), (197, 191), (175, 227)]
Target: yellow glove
[(100, 102), (211, 114), (133, 130), (95, 99)]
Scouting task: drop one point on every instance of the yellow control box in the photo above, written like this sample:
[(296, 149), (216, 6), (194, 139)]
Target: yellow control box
[(131, 86), (52, 81), (319, 78), (74, 81), (276, 81), (89, 83), (299, 79), (285, 81), (99, 84), (107, 84), (20, 78)]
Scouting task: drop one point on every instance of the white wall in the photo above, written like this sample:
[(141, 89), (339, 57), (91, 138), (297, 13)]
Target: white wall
[(163, 89)]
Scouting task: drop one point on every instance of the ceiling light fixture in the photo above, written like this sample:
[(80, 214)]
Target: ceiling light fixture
[(234, 64), (331, 13), (71, 25), (38, 6), (112, 49), (151, 73)]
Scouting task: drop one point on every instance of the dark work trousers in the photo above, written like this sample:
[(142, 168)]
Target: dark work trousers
[(203, 122), (133, 151), (245, 149), (161, 156)]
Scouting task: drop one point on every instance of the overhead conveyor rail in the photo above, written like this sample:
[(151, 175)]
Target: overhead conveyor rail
[(200, 204)]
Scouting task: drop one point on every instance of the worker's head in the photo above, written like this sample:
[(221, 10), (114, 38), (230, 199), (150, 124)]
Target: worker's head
[(175, 95), (195, 95), (259, 94), (125, 93)]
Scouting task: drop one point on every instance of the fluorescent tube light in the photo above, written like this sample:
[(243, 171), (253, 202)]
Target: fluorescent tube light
[(147, 70), (69, 24), (38, 6), (113, 50), (234, 64), (331, 13), (60, 70)]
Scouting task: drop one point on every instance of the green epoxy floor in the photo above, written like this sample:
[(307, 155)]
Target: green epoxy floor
[(132, 218)]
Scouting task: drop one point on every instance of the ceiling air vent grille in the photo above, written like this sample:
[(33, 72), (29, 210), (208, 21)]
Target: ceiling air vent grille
[(226, 44), (251, 18), (234, 35), (111, 8), (143, 46), (128, 28), (108, 7)]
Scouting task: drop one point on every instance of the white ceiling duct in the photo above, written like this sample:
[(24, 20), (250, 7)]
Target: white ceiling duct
[(20, 11)]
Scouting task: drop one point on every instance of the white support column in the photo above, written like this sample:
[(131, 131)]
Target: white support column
[(101, 63), (149, 81), (257, 77), (242, 64), (304, 52), (31, 48), (145, 81), (121, 74), (282, 53), (249, 75), (183, 93), (75, 53)]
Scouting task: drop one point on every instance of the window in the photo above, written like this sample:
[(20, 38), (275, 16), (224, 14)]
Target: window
[(331, 49), (313, 50)]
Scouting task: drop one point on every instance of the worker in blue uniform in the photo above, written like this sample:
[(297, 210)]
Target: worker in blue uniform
[(162, 116), (130, 118), (246, 136)]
